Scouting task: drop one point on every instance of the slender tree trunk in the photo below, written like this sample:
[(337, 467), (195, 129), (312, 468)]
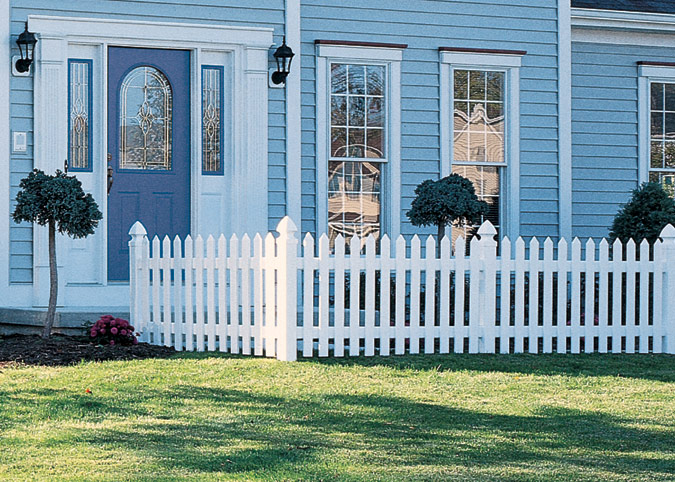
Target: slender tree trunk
[(441, 235), (53, 282)]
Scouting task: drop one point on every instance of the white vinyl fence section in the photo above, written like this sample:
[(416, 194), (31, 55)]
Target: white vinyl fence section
[(277, 297)]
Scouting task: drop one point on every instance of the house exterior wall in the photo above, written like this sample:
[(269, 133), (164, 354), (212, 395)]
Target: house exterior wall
[(605, 125), (263, 13), (425, 26)]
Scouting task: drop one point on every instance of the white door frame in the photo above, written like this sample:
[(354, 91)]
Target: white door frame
[(247, 51)]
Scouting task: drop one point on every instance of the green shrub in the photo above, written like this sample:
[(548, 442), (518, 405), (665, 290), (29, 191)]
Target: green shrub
[(649, 210)]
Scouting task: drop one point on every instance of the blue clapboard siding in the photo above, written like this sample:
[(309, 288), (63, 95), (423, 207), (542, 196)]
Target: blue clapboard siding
[(605, 130), (426, 25), (259, 13)]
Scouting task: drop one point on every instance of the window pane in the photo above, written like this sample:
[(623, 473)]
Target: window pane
[(476, 85), (338, 111), (461, 84), (357, 143), (338, 75), (375, 77), (357, 79), (657, 125), (79, 75), (212, 85), (669, 154), (357, 111), (353, 199), (375, 143), (670, 125), (656, 155), (495, 86), (375, 112), (657, 96), (670, 97), (146, 108), (338, 142), (666, 179)]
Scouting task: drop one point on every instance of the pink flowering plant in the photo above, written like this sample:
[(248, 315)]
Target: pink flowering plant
[(109, 330)]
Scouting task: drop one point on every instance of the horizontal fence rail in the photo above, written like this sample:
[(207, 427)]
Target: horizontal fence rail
[(279, 297)]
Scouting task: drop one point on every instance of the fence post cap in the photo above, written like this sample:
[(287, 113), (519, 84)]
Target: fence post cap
[(286, 226), (668, 233), (487, 231), (137, 229)]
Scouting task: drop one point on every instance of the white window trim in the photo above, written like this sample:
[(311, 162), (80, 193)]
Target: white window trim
[(647, 75), (510, 64), (390, 215)]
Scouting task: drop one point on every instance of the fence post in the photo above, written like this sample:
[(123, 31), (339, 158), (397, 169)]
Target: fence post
[(137, 278), (668, 311), (287, 290), (487, 286)]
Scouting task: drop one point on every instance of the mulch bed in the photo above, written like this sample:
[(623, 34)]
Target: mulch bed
[(68, 350)]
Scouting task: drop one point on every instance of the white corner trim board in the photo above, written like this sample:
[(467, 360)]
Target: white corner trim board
[(564, 120), (5, 67)]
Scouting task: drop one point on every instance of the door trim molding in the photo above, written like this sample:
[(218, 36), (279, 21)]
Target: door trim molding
[(249, 49)]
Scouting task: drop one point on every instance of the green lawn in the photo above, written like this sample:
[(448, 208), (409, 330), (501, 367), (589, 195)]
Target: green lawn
[(204, 418)]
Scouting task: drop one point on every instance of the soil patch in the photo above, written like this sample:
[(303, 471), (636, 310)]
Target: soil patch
[(69, 350)]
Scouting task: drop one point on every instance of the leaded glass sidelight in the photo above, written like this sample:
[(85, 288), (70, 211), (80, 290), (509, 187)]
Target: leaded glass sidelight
[(146, 113), (79, 114), (212, 129)]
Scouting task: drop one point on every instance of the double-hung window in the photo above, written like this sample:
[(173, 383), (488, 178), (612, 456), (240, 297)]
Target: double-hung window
[(657, 124), (358, 143), (479, 111)]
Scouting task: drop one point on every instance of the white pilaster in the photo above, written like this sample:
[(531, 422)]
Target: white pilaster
[(293, 115), (50, 139), (254, 178)]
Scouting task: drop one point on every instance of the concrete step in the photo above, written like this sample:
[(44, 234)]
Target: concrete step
[(69, 321)]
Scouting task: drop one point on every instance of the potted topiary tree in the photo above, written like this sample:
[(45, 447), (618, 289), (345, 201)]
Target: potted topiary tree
[(445, 201), (59, 203), (645, 215)]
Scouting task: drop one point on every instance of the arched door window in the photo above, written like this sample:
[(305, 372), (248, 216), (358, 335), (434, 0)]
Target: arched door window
[(145, 120)]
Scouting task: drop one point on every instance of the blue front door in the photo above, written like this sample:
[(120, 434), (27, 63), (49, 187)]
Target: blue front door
[(149, 147)]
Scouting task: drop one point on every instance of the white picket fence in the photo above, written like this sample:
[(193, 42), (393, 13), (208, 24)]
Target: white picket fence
[(270, 296)]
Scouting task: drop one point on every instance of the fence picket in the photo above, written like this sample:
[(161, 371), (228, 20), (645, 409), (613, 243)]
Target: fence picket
[(460, 300), (166, 291), (308, 297), (339, 305), (385, 296), (547, 301), (562, 268), (630, 296), (370, 268), (589, 296), (401, 267), (533, 297), (617, 294), (221, 266), (575, 317), (210, 293), (233, 270), (643, 318), (430, 295), (258, 289), (199, 292), (324, 290), (189, 299), (270, 319), (354, 295), (519, 296), (156, 305), (505, 268), (245, 327), (603, 297), (444, 295)]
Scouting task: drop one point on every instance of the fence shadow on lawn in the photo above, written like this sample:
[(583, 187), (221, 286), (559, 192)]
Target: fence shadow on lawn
[(297, 433)]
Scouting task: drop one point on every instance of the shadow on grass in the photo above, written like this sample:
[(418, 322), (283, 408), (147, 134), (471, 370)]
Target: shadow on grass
[(649, 367), (211, 430)]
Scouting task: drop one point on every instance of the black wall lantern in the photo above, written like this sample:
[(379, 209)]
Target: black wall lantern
[(26, 43), (284, 56)]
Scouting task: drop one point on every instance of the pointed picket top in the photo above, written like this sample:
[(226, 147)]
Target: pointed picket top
[(644, 250), (370, 245), (400, 246), (548, 243), (324, 244), (210, 247), (155, 246), (446, 248), (474, 246), (166, 247), (505, 247), (430, 246), (487, 230), (245, 239), (137, 229), (630, 250), (520, 248), (339, 246), (222, 246), (287, 227), (617, 250), (534, 248), (415, 246), (563, 250), (590, 250), (385, 247), (308, 239), (355, 246), (460, 247)]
